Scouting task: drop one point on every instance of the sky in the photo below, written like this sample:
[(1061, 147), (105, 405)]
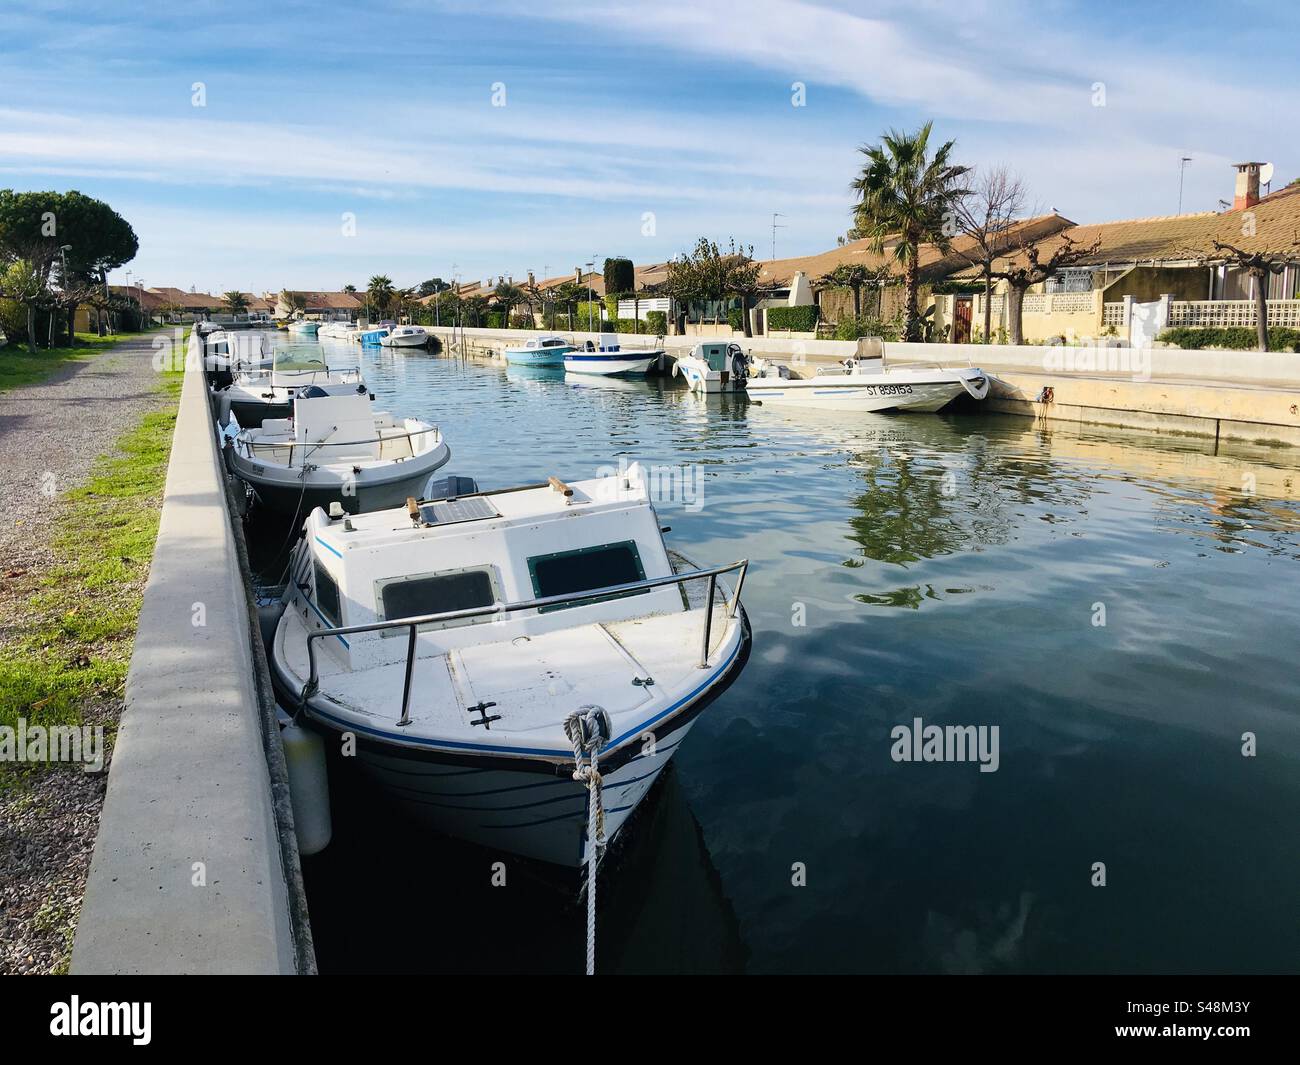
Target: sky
[(263, 146)]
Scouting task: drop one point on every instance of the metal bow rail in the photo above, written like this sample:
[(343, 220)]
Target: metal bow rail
[(412, 625), (251, 447)]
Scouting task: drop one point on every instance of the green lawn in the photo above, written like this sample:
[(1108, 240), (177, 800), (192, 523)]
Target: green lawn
[(75, 646), (19, 367)]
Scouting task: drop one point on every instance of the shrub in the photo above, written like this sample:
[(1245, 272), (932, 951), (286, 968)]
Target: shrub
[(493, 320), (630, 325), (734, 320), (522, 321), (656, 322), (868, 325), (586, 316), (795, 319), (1236, 338)]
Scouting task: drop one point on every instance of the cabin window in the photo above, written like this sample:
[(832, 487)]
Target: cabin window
[(438, 593), (327, 597), (585, 570)]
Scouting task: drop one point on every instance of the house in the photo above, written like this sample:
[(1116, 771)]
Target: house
[(319, 305), (1166, 263)]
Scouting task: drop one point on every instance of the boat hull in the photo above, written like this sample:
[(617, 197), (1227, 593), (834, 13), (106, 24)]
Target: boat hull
[(608, 365), (404, 341), (536, 358), (528, 807), (286, 491)]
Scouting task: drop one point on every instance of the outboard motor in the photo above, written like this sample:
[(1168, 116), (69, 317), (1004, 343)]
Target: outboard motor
[(739, 365)]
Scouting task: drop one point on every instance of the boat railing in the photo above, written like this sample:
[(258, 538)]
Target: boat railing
[(252, 447), (412, 624)]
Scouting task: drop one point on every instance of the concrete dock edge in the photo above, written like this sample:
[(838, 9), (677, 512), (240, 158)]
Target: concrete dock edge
[(189, 873)]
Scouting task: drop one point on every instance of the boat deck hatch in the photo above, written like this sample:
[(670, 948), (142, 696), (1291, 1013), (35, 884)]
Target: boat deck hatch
[(452, 511)]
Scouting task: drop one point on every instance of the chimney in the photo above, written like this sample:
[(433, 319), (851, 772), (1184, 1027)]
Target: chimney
[(1246, 194)]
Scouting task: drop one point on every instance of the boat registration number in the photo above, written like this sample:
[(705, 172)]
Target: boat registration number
[(888, 390)]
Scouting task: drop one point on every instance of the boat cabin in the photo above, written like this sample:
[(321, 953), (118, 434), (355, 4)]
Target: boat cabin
[(471, 552)]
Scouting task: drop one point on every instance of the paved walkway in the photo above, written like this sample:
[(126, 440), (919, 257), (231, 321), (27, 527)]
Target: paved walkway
[(52, 432)]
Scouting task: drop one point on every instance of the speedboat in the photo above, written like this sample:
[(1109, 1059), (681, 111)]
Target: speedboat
[(258, 394), (483, 649), (545, 350), (335, 448), (335, 330), (609, 359), (304, 327), (865, 384), (713, 366), (406, 336)]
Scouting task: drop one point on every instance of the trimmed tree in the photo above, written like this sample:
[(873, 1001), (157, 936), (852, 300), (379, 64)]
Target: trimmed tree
[(985, 216), (1028, 268)]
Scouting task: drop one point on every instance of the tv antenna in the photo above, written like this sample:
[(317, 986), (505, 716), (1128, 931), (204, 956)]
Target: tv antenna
[(1182, 169), (775, 227)]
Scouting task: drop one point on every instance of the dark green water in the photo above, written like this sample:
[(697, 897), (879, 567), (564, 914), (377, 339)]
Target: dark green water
[(941, 567)]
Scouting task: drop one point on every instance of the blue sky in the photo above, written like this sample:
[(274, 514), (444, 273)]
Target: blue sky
[(628, 128)]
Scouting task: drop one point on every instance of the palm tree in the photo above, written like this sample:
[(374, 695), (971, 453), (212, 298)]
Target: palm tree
[(236, 302), (508, 295), (350, 289), (908, 195), (380, 292)]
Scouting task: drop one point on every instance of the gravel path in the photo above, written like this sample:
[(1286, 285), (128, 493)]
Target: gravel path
[(50, 435)]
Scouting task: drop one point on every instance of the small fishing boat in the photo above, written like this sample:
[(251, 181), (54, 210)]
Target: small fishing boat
[(372, 336), (545, 350), (304, 327), (337, 449), (609, 359), (406, 336), (866, 384), (477, 646), (713, 366), (258, 394)]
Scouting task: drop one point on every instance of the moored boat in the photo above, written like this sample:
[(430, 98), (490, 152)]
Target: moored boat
[(406, 336), (545, 350), (337, 449), (470, 643), (713, 366), (304, 328), (866, 384), (258, 394), (610, 359)]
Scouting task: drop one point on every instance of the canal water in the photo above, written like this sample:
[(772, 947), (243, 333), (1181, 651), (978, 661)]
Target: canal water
[(1121, 608)]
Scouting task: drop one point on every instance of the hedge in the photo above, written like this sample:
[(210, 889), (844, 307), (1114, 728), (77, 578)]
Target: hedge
[(734, 320), (1236, 338), (795, 319), (656, 322)]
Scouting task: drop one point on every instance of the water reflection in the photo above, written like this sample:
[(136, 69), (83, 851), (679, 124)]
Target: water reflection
[(999, 536)]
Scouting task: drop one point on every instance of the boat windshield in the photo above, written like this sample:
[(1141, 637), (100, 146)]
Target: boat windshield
[(295, 361)]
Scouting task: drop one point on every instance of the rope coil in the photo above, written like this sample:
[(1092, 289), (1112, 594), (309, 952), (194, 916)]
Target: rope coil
[(588, 729)]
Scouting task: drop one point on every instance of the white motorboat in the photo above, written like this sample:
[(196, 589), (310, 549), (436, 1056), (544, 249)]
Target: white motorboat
[(303, 327), (335, 330), (866, 384), (610, 359), (406, 336), (258, 394), (469, 644), (713, 366), (335, 448), (225, 353)]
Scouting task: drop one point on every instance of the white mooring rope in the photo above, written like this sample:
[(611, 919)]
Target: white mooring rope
[(588, 730)]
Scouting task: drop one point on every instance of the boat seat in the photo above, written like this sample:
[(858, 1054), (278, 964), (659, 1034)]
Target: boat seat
[(337, 419)]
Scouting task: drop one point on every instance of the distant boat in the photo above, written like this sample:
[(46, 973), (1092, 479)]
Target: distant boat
[(406, 336), (545, 350), (337, 449), (304, 327), (865, 385), (372, 336), (335, 330), (610, 359)]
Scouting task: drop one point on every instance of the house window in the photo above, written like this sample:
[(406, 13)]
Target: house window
[(439, 593), (586, 569), (327, 596), (1070, 281)]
